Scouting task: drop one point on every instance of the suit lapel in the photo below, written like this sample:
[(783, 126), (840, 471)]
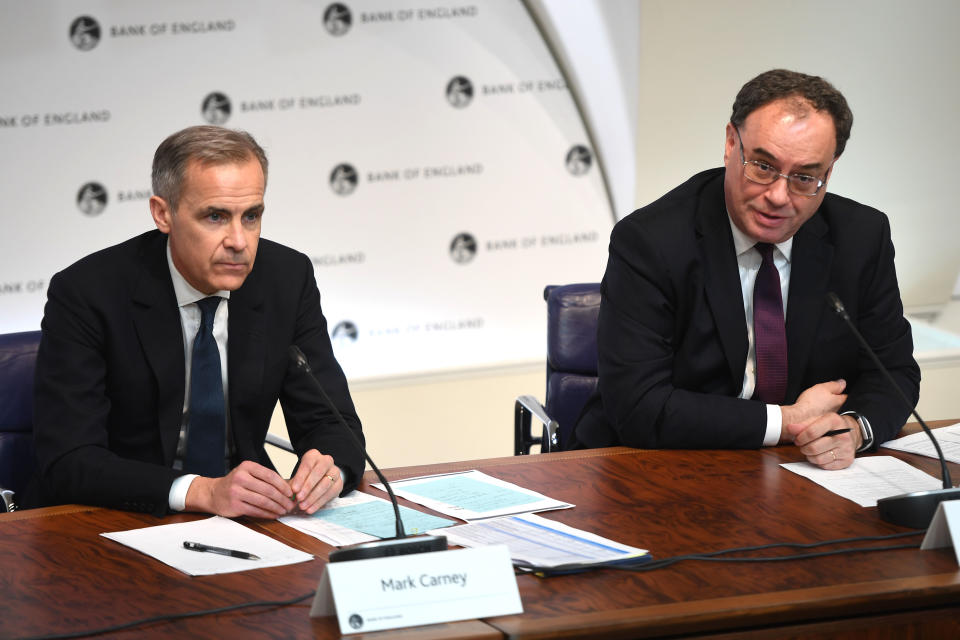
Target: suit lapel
[(246, 357), (809, 276), (157, 321), (721, 278)]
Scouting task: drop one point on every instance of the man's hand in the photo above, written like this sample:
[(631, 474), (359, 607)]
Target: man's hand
[(828, 452), (317, 481), (818, 400), (249, 489)]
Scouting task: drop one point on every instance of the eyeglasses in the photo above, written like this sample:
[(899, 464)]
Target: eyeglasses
[(763, 173)]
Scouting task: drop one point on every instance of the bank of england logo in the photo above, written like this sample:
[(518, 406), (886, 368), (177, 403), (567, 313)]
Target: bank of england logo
[(344, 333), (463, 248), (216, 108), (459, 92), (343, 179), (85, 33), (579, 160), (337, 19), (92, 199)]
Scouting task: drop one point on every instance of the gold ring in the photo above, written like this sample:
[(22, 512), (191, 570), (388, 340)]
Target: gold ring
[(333, 479), (833, 452)]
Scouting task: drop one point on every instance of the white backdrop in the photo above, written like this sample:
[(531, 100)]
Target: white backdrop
[(427, 156)]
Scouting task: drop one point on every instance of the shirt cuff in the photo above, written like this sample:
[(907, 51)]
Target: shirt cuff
[(774, 425), (177, 498)]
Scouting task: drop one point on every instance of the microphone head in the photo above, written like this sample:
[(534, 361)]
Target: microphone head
[(834, 301), (298, 358)]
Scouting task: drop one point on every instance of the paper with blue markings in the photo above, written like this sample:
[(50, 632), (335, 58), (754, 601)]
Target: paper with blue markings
[(360, 517), (473, 495)]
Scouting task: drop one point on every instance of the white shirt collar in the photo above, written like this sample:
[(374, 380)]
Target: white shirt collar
[(743, 243), (185, 293)]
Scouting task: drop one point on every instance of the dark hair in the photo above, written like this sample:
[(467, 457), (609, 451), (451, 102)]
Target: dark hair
[(780, 83), (206, 145)]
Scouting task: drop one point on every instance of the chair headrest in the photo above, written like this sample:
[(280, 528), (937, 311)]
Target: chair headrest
[(572, 312), (18, 357)]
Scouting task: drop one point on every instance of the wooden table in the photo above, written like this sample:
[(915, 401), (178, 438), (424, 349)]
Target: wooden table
[(58, 575)]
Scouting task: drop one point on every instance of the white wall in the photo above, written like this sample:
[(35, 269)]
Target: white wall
[(896, 62)]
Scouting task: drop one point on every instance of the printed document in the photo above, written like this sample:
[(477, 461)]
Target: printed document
[(948, 437), (360, 517), (472, 495), (868, 479), (541, 542)]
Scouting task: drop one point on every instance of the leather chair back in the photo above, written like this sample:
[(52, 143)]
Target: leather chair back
[(18, 355), (572, 312)]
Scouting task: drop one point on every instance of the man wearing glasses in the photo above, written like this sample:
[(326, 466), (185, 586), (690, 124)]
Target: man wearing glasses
[(714, 331)]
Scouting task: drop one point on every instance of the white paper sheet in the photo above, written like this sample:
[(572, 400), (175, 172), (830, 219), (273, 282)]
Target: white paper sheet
[(473, 495), (868, 479), (165, 543), (948, 437)]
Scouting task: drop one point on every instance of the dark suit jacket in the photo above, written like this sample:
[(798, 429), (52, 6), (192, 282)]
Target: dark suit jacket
[(672, 335), (110, 375)]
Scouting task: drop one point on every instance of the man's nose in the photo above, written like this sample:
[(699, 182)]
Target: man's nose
[(778, 193), (235, 239)]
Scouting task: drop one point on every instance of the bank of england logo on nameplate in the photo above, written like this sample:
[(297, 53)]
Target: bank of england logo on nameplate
[(85, 33), (343, 179), (337, 19), (216, 108), (460, 92), (579, 160), (463, 248), (92, 199)]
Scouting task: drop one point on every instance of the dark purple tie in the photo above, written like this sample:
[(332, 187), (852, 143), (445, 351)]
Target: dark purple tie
[(770, 334)]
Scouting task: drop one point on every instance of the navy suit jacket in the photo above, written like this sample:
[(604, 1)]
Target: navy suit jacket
[(110, 375), (672, 335)]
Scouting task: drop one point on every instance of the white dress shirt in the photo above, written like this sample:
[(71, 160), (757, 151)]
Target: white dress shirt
[(748, 263), (187, 298)]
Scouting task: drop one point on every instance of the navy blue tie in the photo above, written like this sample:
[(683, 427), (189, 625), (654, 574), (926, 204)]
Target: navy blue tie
[(206, 429)]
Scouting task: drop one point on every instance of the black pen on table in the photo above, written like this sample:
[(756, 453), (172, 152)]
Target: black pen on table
[(197, 546)]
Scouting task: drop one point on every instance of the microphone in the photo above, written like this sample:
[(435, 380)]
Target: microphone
[(914, 510), (396, 546)]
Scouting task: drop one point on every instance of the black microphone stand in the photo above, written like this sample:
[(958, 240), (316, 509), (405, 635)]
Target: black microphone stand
[(914, 510), (396, 546)]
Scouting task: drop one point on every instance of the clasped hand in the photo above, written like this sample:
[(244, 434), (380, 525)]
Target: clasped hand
[(806, 422), (251, 489)]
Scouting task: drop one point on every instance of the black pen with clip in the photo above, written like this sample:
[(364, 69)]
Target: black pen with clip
[(835, 432), (196, 546)]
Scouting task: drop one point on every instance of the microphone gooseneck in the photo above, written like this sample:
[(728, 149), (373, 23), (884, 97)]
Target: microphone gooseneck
[(301, 361), (911, 509), (399, 545)]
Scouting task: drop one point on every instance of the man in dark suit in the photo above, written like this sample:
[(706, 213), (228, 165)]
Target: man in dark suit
[(693, 355), (162, 358)]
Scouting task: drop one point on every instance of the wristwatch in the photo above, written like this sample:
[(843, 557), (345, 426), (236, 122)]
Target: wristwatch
[(866, 431)]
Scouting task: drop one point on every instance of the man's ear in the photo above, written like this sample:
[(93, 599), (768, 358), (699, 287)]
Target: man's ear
[(161, 213), (730, 144)]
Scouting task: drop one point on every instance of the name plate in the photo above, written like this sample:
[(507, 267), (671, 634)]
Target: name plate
[(944, 529), (423, 588)]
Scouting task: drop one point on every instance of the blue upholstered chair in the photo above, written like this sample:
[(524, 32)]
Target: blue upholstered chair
[(18, 355), (571, 369)]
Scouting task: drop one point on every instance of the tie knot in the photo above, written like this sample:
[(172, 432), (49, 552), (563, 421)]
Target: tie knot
[(765, 249), (208, 307)]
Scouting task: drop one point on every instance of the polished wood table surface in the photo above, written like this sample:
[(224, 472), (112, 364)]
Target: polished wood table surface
[(57, 574)]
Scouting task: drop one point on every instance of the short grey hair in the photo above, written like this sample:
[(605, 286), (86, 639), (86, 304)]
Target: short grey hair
[(207, 145)]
